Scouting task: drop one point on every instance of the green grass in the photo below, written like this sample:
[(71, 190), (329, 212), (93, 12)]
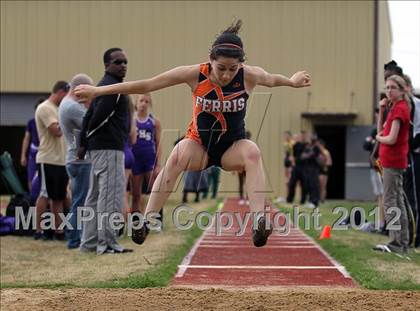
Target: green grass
[(353, 249), (161, 275), (158, 275)]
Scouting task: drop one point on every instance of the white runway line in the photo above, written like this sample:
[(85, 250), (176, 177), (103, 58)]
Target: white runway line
[(272, 237), (227, 243), (340, 268), (265, 247), (237, 235), (296, 240), (248, 242), (264, 267), (186, 261)]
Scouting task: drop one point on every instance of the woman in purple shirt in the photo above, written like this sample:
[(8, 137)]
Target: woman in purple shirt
[(146, 150), (30, 145), (128, 154)]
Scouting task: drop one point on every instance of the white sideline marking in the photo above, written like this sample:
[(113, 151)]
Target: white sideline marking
[(246, 242), (292, 240), (263, 267), (249, 238), (248, 234), (340, 268), (236, 230), (225, 239), (186, 261), (266, 247)]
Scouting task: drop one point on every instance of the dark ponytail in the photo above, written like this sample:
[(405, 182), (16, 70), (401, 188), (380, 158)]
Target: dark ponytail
[(228, 43), (394, 68), (234, 28)]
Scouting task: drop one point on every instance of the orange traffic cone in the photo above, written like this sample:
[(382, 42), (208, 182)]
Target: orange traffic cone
[(326, 233)]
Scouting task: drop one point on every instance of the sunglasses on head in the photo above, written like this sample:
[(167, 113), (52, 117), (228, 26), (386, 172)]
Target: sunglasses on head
[(119, 61)]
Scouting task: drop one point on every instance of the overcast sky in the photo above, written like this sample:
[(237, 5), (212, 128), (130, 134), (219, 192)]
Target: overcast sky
[(405, 23)]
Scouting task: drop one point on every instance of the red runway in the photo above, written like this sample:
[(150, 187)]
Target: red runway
[(228, 259)]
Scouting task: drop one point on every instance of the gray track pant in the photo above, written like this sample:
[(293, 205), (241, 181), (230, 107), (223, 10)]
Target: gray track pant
[(394, 198), (105, 198)]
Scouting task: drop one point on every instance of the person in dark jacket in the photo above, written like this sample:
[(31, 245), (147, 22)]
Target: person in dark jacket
[(409, 176), (298, 170), (309, 157), (102, 136)]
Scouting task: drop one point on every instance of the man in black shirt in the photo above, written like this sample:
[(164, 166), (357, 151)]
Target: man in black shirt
[(310, 156), (104, 131), (298, 171)]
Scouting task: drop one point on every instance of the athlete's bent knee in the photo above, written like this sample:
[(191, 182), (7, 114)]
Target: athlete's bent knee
[(253, 155)]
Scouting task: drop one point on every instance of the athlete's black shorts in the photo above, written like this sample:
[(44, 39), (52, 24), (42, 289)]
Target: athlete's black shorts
[(216, 148), (54, 180), (216, 152)]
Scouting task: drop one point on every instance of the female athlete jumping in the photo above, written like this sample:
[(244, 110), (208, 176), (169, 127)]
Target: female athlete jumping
[(216, 135)]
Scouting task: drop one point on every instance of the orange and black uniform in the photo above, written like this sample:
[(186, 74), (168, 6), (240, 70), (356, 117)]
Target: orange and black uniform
[(218, 114)]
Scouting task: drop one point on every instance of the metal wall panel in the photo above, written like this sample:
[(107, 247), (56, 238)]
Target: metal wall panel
[(357, 180), (17, 109), (385, 41), (45, 41)]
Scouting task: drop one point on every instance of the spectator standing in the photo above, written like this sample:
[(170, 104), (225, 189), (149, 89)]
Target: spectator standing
[(196, 182), (310, 157), (375, 178), (146, 150), (415, 154), (325, 163), (409, 183), (30, 145), (103, 135), (393, 136), (298, 170), (71, 115), (288, 161), (213, 176), (129, 156), (51, 159)]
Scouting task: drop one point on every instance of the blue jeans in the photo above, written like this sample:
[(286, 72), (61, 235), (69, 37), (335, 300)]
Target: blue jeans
[(79, 176)]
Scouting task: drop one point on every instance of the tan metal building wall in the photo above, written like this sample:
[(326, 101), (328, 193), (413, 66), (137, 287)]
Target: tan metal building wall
[(42, 42), (385, 40)]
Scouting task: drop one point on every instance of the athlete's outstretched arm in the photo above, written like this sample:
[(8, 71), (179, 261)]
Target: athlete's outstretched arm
[(259, 76), (178, 75)]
